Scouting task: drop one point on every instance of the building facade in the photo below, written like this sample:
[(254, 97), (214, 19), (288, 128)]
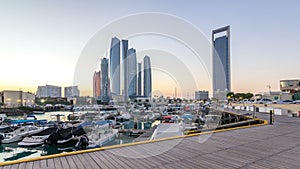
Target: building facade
[(125, 67), (11, 98), (104, 81), (221, 63), (291, 86), (115, 66), (48, 91), (201, 95), (132, 72), (97, 84), (147, 77), (72, 91), (139, 83)]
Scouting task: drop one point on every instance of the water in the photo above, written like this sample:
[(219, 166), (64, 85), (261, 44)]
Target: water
[(9, 152)]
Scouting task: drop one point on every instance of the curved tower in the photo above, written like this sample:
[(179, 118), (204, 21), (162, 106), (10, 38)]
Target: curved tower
[(115, 66), (147, 77)]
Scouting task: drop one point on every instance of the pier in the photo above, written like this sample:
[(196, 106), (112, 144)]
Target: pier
[(254, 146)]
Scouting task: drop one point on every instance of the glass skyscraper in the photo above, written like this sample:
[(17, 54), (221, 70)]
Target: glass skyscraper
[(125, 67), (104, 81), (139, 88), (132, 72), (147, 77), (115, 66), (221, 63)]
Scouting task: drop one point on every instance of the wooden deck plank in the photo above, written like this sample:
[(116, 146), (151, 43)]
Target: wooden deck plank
[(57, 163), (22, 165), (77, 162), (36, 164), (50, 163), (71, 162), (103, 160), (29, 165), (43, 163), (64, 163)]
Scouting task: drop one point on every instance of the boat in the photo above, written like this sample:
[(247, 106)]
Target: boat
[(38, 138), (38, 112), (20, 133), (97, 134), (2, 117), (65, 136)]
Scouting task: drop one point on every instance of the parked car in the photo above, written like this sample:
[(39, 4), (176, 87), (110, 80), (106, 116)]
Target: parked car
[(284, 102), (296, 102), (263, 101)]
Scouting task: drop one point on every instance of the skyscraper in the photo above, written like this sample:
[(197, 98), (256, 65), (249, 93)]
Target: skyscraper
[(147, 77), (97, 84), (221, 63), (132, 72), (104, 81), (125, 66), (139, 88), (115, 66)]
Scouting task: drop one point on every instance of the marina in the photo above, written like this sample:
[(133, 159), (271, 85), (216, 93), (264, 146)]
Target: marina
[(257, 146)]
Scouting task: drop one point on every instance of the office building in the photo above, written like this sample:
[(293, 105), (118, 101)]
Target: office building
[(12, 98), (97, 84), (147, 77), (104, 81), (139, 85), (72, 91), (48, 91), (221, 62), (132, 72), (125, 67), (201, 95), (115, 66)]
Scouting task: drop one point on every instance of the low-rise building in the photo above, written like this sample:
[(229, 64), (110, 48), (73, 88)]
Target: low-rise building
[(72, 91), (13, 98), (201, 95)]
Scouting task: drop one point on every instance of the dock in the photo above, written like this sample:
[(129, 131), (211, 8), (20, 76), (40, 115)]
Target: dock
[(257, 146)]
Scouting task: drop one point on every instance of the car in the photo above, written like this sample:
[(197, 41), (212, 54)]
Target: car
[(296, 102), (284, 102), (263, 101)]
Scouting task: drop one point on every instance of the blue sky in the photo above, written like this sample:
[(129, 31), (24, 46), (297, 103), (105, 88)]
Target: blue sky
[(40, 41)]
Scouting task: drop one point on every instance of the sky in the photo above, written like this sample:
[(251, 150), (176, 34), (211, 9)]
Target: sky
[(41, 42)]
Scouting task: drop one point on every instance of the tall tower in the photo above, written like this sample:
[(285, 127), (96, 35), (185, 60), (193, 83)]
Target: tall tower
[(147, 77), (221, 63), (132, 72), (125, 66), (104, 81), (96, 84), (115, 66), (139, 88)]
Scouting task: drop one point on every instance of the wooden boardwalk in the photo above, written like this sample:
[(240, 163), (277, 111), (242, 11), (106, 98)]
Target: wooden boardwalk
[(268, 146)]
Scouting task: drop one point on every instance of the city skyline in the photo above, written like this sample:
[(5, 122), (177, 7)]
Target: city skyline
[(29, 50)]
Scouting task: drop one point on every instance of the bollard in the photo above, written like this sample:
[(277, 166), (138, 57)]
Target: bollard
[(271, 116)]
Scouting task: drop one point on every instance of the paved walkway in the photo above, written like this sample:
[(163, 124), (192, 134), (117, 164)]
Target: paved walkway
[(268, 146)]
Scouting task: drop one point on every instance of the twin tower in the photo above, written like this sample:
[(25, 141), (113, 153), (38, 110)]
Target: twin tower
[(125, 72)]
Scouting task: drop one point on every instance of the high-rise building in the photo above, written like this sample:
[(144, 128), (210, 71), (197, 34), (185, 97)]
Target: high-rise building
[(72, 91), (132, 72), (147, 77), (115, 66), (125, 66), (221, 63), (48, 91), (104, 81), (139, 88), (97, 84)]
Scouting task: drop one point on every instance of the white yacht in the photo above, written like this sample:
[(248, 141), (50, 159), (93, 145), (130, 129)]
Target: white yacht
[(20, 133)]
